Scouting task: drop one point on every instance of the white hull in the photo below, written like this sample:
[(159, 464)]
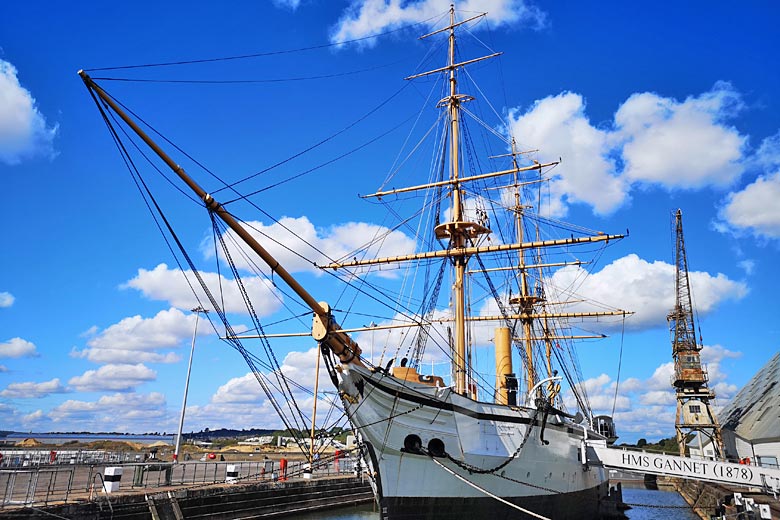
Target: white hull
[(386, 411)]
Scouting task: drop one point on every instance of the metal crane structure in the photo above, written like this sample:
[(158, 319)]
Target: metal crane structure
[(694, 397)]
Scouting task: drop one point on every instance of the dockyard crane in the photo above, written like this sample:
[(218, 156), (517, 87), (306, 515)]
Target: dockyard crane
[(694, 397)]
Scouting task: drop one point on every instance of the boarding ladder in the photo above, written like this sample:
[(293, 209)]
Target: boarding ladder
[(596, 452)]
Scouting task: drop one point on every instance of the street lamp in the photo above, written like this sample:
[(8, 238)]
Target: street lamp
[(197, 310)]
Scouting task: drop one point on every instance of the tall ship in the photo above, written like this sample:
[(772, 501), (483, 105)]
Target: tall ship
[(488, 289)]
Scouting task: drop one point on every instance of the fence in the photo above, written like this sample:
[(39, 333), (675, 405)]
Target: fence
[(37, 485)]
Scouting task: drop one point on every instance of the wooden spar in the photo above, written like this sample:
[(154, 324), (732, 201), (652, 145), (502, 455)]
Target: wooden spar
[(454, 66), (409, 326), (527, 266), (467, 251), (452, 26), (380, 194), (327, 330)]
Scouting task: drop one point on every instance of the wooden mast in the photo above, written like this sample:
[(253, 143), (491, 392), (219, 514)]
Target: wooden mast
[(525, 300), (458, 239)]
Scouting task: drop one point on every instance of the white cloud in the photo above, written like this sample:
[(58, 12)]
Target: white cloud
[(23, 129), (647, 407), (3, 368), (747, 265), (768, 153), (118, 355), (244, 389), (682, 144), (8, 414), (712, 357), (289, 4), (755, 207), (6, 299), (33, 418), (658, 398), (587, 173), (16, 348), (646, 288), (170, 285), (32, 390), (113, 378), (653, 140), (242, 398), (298, 235), (370, 17), (297, 366), (232, 415), (122, 412), (135, 339)]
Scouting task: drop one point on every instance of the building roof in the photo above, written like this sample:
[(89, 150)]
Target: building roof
[(754, 413)]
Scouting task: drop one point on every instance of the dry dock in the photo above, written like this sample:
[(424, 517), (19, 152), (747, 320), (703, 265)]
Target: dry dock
[(273, 499), (164, 491), (708, 499)]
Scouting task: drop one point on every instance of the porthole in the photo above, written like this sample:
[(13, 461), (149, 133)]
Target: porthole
[(412, 444), (436, 448)]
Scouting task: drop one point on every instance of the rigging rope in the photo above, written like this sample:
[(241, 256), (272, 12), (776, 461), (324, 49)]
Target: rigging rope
[(620, 364), (488, 493), (151, 201), (248, 81), (263, 54)]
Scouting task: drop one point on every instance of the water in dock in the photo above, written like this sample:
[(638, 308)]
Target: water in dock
[(662, 505)]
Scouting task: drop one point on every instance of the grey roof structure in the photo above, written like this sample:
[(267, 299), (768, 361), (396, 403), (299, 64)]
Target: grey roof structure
[(754, 413)]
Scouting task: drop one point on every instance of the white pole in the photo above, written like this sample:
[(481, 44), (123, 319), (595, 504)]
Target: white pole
[(197, 312)]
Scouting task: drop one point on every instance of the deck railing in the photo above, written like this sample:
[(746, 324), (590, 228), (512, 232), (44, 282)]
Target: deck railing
[(43, 484)]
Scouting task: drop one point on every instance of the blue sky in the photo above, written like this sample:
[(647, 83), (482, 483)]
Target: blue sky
[(650, 107)]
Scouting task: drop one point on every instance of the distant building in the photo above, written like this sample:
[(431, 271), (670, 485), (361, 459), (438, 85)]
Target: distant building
[(257, 441), (750, 422)]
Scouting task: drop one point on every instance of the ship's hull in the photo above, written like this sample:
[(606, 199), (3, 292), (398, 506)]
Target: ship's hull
[(586, 504), (436, 454)]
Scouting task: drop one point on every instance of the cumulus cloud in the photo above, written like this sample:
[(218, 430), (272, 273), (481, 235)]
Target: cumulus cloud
[(33, 418), (32, 390), (171, 285), (16, 348), (752, 208), (755, 207), (768, 153), (647, 406), (24, 131), (647, 288), (113, 378), (653, 140), (6, 299), (242, 397), (121, 412), (682, 144), (297, 366), (341, 242), (244, 389), (370, 17), (289, 4), (8, 414), (136, 339), (233, 415), (587, 173)]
